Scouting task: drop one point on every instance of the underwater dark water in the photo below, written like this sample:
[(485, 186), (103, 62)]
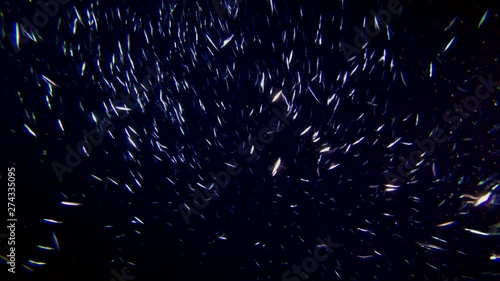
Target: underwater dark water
[(250, 140)]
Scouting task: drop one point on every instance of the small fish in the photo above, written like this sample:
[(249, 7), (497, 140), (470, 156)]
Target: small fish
[(50, 221), (96, 177), (365, 257), (30, 130), (111, 180), (139, 220), (35, 263), (305, 131), (50, 81), (333, 166), (446, 224), (494, 257), (482, 199), (55, 241), (449, 44), (434, 170), (451, 24), (123, 108), (326, 149), (394, 142), (66, 203), (483, 19), (18, 36), (276, 166), (211, 42), (45, 248), (403, 79), (275, 98), (430, 246), (262, 83), (358, 141), (60, 124), (477, 232), (310, 90), (224, 44)]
